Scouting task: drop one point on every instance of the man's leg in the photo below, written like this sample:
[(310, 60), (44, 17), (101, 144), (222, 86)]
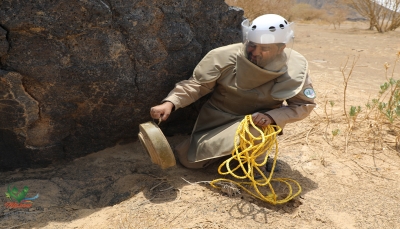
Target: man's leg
[(182, 154), (260, 159)]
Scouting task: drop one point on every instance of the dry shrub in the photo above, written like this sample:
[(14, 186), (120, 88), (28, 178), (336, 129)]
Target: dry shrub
[(336, 14), (286, 8), (383, 15), (376, 125), (255, 8), (303, 11)]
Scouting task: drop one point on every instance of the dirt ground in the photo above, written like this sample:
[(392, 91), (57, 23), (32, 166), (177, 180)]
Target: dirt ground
[(352, 183)]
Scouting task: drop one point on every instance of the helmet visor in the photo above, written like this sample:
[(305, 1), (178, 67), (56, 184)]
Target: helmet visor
[(271, 57)]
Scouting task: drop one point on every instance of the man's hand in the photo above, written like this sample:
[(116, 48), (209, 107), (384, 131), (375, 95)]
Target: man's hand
[(261, 119), (162, 111)]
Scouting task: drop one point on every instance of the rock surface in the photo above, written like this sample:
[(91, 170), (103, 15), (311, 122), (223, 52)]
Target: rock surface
[(79, 76)]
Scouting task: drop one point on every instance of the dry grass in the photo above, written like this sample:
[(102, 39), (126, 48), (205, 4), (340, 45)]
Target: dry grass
[(373, 127), (334, 14)]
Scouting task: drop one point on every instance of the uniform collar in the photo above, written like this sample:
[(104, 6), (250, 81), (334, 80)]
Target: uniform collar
[(249, 75)]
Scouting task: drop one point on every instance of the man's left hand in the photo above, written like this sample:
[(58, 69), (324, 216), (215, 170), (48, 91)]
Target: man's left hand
[(261, 119)]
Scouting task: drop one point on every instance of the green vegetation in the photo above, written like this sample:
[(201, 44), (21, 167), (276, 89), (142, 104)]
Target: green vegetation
[(378, 124)]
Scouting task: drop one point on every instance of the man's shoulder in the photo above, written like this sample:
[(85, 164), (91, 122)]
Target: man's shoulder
[(293, 54), (210, 67), (223, 56), (290, 83), (231, 47), (296, 54)]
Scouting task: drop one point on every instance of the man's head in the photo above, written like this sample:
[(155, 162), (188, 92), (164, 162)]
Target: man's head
[(266, 38), (263, 54)]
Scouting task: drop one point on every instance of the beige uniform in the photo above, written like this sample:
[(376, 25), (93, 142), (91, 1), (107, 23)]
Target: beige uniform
[(238, 88)]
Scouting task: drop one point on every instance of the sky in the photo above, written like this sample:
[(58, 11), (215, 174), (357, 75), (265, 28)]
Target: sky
[(389, 4)]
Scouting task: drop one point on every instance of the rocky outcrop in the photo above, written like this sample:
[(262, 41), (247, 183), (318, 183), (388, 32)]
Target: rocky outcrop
[(78, 76)]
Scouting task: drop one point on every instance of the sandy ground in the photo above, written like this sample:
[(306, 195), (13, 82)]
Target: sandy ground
[(351, 183)]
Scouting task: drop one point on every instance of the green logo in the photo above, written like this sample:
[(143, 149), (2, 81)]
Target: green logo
[(19, 197)]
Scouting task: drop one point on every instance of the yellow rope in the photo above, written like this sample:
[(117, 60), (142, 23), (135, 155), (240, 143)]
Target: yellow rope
[(247, 148)]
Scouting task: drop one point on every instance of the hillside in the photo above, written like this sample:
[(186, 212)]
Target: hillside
[(317, 3)]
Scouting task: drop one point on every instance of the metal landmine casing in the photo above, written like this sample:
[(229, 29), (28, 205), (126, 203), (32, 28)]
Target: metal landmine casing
[(156, 145)]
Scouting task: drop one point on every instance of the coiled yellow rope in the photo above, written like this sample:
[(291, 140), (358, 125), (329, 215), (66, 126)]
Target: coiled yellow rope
[(247, 148)]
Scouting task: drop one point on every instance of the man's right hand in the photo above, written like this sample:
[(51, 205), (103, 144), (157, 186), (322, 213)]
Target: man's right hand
[(162, 111)]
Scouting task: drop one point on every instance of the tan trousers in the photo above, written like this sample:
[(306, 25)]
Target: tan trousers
[(182, 149), (181, 152)]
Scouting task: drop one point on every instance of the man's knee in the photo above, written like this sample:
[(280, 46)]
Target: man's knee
[(181, 151), (194, 165)]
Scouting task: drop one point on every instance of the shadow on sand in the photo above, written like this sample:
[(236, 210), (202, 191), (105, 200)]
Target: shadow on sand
[(111, 176)]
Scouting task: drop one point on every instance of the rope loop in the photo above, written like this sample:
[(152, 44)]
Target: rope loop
[(247, 148)]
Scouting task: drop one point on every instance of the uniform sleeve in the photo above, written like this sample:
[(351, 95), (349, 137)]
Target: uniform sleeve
[(188, 91), (297, 108)]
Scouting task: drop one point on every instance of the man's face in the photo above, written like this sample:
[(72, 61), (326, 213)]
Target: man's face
[(263, 54)]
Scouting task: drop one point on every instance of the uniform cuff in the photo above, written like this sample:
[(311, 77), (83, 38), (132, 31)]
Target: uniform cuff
[(272, 120), (173, 100), (277, 116)]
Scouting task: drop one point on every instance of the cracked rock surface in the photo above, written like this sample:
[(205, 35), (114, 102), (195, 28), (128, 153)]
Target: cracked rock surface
[(79, 76)]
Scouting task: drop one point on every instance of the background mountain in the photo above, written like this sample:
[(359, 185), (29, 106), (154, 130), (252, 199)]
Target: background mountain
[(353, 15), (318, 3)]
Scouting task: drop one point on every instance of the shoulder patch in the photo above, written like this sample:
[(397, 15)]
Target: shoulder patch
[(309, 93)]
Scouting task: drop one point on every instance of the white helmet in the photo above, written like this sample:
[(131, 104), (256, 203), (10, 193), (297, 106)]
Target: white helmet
[(267, 29)]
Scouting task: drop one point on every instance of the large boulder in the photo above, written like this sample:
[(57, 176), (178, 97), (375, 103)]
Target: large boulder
[(79, 76)]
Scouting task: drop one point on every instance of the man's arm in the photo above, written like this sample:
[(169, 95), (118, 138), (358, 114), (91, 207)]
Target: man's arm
[(298, 108), (187, 92), (184, 93)]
